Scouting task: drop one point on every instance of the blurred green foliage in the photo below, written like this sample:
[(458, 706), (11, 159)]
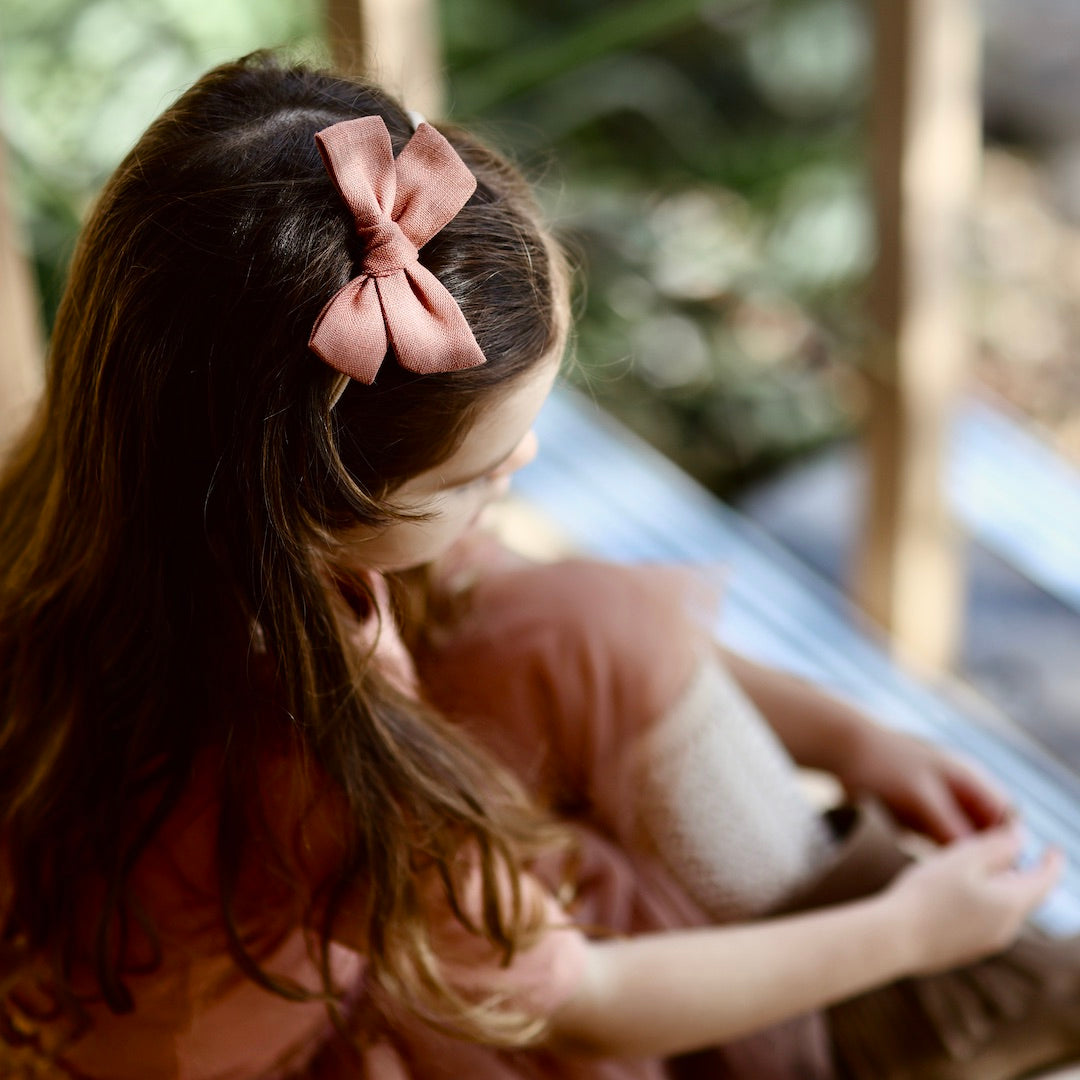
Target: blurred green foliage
[(81, 79), (702, 156)]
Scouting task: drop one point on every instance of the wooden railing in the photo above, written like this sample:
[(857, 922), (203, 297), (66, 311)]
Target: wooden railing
[(925, 148), (393, 42)]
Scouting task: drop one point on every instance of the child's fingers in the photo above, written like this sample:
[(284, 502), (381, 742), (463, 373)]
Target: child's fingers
[(1034, 883), (970, 899), (985, 802), (942, 817), (996, 849)]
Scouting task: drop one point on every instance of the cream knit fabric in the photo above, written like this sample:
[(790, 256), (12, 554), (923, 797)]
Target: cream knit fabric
[(720, 800)]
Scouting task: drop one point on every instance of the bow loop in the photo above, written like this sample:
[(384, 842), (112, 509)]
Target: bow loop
[(397, 206)]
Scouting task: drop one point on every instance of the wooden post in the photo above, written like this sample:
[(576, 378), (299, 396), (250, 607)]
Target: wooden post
[(926, 145), (393, 42), (21, 340)]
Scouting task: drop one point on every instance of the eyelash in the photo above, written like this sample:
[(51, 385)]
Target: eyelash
[(479, 481)]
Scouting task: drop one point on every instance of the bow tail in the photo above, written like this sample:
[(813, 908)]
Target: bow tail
[(349, 333), (426, 327)]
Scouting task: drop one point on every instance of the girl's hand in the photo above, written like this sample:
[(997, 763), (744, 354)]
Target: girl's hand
[(969, 900), (925, 788)]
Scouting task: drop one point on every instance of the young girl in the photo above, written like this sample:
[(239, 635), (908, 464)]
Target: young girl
[(298, 777)]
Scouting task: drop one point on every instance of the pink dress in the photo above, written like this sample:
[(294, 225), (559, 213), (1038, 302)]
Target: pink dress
[(559, 669)]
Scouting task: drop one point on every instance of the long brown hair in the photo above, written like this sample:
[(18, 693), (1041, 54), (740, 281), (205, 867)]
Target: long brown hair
[(174, 497)]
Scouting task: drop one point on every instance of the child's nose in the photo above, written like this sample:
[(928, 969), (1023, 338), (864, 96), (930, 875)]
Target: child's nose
[(521, 455)]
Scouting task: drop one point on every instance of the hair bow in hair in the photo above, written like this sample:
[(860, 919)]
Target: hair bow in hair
[(398, 206)]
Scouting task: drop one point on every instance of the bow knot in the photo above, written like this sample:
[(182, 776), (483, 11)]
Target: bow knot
[(386, 248), (398, 206)]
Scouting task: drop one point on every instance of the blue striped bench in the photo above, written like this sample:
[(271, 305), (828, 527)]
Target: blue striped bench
[(1017, 497)]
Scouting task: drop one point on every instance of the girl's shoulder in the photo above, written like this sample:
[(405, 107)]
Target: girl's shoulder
[(633, 613), (572, 648)]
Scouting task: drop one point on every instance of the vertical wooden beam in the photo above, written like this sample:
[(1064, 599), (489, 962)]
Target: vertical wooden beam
[(926, 146), (393, 42), (21, 340)]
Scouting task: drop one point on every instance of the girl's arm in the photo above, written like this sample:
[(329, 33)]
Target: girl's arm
[(924, 787), (675, 992)]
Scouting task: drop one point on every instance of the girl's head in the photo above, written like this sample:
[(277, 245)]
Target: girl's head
[(193, 490), (182, 371)]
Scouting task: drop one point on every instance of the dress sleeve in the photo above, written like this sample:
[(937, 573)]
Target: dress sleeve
[(538, 978)]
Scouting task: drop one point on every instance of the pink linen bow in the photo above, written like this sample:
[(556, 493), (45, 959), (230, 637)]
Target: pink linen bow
[(399, 205)]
